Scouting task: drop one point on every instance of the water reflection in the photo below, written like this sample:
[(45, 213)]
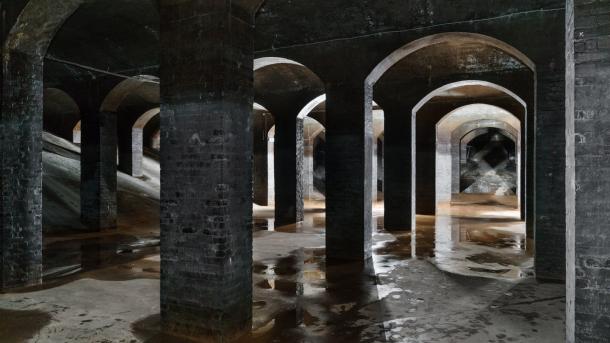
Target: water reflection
[(299, 297), (471, 226), (304, 299)]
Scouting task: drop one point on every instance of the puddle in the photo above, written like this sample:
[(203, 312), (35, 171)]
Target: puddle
[(298, 296)]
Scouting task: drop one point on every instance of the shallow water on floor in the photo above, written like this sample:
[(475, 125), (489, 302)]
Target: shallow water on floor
[(477, 235), (450, 262)]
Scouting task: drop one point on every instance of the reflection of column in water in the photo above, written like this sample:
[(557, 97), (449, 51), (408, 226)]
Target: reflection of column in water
[(300, 267), (414, 236)]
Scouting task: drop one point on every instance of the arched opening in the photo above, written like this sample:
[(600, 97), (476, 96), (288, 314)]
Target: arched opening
[(285, 88), (336, 279), (135, 102), (314, 179), (490, 138), (420, 83), (447, 147), (488, 163), (61, 113)]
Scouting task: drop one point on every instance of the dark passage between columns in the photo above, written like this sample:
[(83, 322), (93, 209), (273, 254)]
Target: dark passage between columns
[(206, 169), (588, 171), (349, 135), (397, 167)]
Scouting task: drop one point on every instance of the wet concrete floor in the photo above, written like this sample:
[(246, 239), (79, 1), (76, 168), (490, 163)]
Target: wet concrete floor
[(466, 277)]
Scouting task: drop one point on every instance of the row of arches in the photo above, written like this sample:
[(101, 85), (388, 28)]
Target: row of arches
[(218, 197), (62, 117)]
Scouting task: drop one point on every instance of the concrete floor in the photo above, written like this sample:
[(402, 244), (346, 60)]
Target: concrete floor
[(465, 278), (438, 296)]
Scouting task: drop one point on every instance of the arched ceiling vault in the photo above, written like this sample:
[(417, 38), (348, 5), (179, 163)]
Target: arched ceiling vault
[(285, 88)]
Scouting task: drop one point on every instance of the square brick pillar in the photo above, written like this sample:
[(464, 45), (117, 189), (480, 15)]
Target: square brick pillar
[(288, 166), (349, 156), (397, 168), (588, 171), (21, 172), (206, 170), (98, 193)]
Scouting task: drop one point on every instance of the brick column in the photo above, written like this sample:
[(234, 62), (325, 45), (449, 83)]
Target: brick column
[(349, 135), (588, 171), (548, 162), (288, 169), (99, 170), (397, 168), (21, 173), (206, 170)]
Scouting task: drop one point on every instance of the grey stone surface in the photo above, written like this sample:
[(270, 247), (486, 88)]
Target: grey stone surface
[(206, 170), (588, 250), (21, 166)]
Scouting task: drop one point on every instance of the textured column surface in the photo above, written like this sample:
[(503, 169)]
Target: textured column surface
[(288, 169), (206, 170), (137, 151), (588, 171), (349, 139), (21, 173), (548, 162), (99, 170), (397, 169)]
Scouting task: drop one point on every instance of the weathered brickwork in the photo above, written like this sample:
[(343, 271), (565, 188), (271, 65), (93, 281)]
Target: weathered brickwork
[(206, 170), (588, 185), (349, 140), (21, 135), (21, 162)]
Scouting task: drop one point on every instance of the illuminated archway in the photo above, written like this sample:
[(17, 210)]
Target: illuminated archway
[(446, 127)]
